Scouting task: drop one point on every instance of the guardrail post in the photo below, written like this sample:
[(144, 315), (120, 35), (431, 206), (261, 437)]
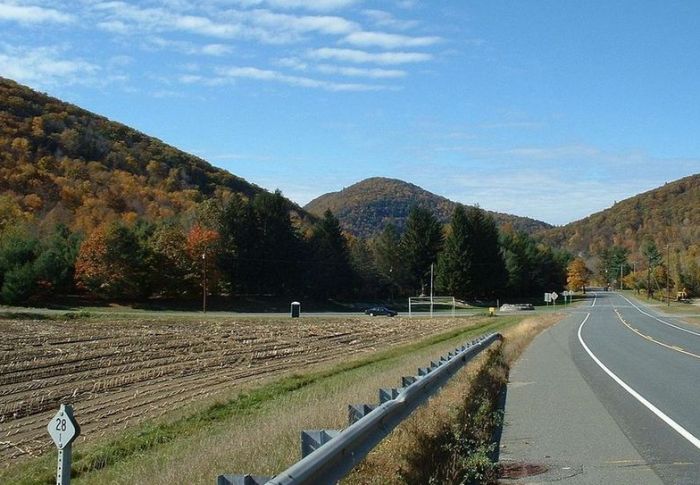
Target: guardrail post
[(359, 411), (242, 480), (408, 380), (387, 394), (424, 371), (311, 440)]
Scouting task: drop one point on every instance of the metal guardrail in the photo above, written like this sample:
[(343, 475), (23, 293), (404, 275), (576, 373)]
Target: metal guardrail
[(332, 454)]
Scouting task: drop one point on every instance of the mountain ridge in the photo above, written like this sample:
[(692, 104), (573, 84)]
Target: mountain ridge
[(365, 207), (60, 163), (668, 214)]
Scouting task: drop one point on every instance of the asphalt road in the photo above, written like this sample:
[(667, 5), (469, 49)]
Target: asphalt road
[(611, 395)]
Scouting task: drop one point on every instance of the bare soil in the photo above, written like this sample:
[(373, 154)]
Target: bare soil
[(120, 373)]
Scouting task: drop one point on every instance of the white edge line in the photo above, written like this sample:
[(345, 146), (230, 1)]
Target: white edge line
[(659, 320), (660, 414)]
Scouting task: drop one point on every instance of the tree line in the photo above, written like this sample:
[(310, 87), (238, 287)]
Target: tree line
[(245, 247), (653, 271)]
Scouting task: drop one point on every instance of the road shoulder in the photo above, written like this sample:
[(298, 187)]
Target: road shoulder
[(553, 418)]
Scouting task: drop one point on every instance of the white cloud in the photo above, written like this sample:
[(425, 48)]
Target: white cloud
[(305, 82), (357, 56), (190, 48), (32, 14), (207, 27), (260, 25), (388, 41), (386, 20), (323, 24), (360, 72), (215, 50), (314, 5), (293, 63), (44, 67)]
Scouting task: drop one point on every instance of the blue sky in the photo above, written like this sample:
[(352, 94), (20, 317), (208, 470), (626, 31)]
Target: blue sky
[(551, 109)]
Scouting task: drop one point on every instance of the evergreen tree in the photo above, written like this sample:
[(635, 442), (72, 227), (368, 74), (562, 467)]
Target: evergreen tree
[(388, 259), (489, 271), (367, 282), (532, 268), (331, 270), (19, 249), (421, 244), (612, 264), (277, 252), (455, 263), (239, 258), (55, 266), (653, 257)]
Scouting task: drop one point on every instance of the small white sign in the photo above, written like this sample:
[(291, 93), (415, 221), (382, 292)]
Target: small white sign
[(63, 428), (554, 296), (547, 297)]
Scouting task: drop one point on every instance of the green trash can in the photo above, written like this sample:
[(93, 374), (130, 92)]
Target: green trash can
[(296, 309)]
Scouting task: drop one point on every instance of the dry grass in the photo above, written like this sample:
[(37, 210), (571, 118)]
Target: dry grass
[(411, 447), (267, 441)]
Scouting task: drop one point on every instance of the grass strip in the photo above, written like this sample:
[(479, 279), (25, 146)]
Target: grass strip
[(153, 434)]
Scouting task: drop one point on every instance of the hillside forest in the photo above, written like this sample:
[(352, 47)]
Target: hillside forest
[(94, 208), (649, 242)]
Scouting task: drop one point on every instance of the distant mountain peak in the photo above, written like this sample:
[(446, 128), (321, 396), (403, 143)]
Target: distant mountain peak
[(365, 207)]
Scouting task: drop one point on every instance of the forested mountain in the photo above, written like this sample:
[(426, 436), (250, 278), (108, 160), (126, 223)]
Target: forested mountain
[(94, 208), (666, 215), (658, 229), (62, 164), (367, 206)]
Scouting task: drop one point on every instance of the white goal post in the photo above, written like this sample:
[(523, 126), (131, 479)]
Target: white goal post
[(431, 301)]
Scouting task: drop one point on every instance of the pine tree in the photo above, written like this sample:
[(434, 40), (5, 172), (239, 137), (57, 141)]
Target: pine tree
[(331, 270), (421, 244), (489, 271), (455, 263), (388, 259)]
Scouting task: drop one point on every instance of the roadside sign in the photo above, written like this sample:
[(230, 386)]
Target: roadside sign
[(63, 428), (554, 296), (547, 297)]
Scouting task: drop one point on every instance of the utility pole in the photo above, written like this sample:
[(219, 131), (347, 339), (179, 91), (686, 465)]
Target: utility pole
[(621, 276), (204, 281), (431, 289), (668, 275)]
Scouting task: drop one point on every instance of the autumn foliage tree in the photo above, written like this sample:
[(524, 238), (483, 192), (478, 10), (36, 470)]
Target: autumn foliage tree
[(111, 263), (577, 275), (202, 247)]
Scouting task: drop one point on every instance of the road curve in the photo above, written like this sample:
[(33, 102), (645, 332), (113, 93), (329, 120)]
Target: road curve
[(611, 395)]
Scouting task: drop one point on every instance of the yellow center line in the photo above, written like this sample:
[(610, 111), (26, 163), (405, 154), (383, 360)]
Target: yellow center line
[(652, 339)]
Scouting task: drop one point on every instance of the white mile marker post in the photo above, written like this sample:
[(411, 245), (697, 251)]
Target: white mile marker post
[(63, 429)]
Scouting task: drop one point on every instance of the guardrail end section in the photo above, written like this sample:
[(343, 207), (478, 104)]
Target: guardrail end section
[(311, 440), (359, 411), (242, 480)]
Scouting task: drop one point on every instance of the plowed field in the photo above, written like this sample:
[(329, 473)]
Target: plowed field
[(119, 373)]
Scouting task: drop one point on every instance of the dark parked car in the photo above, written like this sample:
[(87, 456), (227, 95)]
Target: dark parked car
[(380, 310)]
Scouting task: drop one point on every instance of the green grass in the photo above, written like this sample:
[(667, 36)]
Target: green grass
[(140, 441)]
